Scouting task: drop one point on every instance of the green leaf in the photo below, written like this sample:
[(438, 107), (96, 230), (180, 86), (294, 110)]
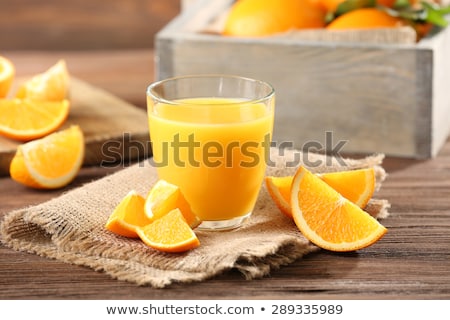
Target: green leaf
[(444, 10), (433, 15), (406, 13), (427, 13), (350, 5), (435, 18), (399, 4)]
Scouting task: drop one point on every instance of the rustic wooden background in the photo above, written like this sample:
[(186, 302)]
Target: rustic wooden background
[(83, 24)]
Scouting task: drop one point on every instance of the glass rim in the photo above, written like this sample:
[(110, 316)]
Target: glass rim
[(150, 89)]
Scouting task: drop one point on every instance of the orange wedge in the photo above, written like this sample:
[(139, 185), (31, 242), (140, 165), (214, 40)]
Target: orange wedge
[(357, 186), (170, 233), (128, 216), (279, 189), (51, 85), (165, 197), (7, 72), (51, 162), (25, 119), (328, 219)]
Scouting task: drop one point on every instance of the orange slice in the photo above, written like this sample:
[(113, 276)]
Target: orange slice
[(163, 198), (279, 189), (357, 186), (328, 219), (51, 85), (128, 216), (170, 233), (7, 72), (27, 119), (51, 162)]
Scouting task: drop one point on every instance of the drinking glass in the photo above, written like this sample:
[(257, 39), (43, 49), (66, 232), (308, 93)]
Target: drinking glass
[(211, 137)]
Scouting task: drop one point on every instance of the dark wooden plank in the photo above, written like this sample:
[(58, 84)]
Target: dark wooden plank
[(411, 262), (83, 24)]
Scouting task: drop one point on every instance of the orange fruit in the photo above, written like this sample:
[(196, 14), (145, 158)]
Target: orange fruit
[(128, 216), (165, 197), (365, 18), (328, 219), (170, 233), (7, 72), (51, 85), (25, 119), (279, 189), (251, 18), (357, 186), (50, 162)]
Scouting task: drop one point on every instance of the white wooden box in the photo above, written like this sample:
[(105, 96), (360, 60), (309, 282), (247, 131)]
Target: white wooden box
[(387, 98)]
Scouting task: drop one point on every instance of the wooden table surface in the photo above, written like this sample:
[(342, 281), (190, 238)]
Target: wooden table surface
[(411, 262)]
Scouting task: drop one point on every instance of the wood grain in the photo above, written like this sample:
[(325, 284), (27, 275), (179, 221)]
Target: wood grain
[(411, 262), (83, 24)]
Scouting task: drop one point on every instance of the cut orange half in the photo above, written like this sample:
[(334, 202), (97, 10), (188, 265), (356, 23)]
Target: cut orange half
[(128, 216), (7, 72), (25, 119), (328, 219), (51, 85), (51, 162), (357, 186), (170, 233), (163, 198)]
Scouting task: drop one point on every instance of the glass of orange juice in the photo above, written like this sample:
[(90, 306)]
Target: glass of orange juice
[(211, 136)]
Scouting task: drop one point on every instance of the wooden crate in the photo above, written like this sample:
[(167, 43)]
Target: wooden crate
[(388, 98)]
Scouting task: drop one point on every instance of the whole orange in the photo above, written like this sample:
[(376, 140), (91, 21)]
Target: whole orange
[(259, 18), (364, 18)]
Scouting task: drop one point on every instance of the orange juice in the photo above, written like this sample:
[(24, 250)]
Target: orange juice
[(214, 149)]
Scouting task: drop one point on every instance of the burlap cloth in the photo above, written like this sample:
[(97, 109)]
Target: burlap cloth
[(70, 228)]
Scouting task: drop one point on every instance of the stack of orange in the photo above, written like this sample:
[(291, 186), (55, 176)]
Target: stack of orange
[(49, 159), (328, 208), (40, 106), (163, 220), (253, 18)]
